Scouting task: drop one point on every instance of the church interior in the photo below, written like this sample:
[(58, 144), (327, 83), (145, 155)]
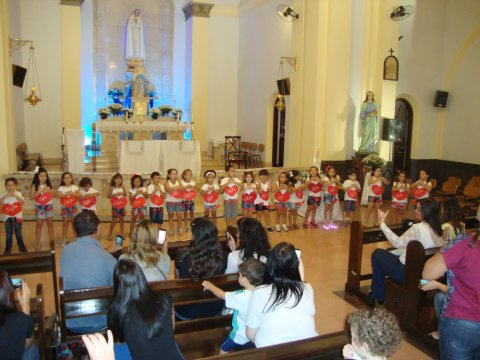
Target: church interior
[(134, 87)]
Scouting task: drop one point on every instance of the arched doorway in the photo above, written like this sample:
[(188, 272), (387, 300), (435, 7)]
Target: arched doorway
[(402, 149), (278, 148)]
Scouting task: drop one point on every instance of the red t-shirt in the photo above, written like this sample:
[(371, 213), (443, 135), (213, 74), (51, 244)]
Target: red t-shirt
[(464, 261)]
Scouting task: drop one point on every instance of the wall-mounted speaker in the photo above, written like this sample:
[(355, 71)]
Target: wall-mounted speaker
[(440, 99), (19, 74), (283, 86)]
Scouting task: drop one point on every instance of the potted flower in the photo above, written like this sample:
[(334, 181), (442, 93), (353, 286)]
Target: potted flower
[(116, 109), (177, 114), (373, 160), (165, 109), (103, 112), (155, 113)]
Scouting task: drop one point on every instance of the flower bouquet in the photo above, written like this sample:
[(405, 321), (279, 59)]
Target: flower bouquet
[(116, 109), (373, 160), (165, 109), (104, 112), (177, 114), (155, 113)]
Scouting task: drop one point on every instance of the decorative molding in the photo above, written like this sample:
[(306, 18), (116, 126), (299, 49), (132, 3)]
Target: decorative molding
[(197, 9), (72, 2)]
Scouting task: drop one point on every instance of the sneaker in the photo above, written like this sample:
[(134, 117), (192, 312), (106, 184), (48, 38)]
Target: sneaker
[(305, 224), (285, 227), (23, 249), (332, 226), (278, 228), (314, 224), (7, 252), (326, 227), (269, 229)]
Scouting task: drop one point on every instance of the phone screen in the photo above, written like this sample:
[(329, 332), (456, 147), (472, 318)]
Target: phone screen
[(298, 252), (118, 240), (17, 283), (162, 236)]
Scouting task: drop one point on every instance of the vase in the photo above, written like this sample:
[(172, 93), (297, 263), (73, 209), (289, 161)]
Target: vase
[(154, 116), (165, 112), (103, 116)]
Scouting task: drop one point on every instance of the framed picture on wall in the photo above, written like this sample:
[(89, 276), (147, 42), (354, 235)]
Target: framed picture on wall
[(390, 68)]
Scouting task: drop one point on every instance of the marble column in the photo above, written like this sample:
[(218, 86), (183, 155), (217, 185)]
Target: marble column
[(71, 63), (196, 68), (7, 135)]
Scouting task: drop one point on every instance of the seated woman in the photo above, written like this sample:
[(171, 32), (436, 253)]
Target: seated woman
[(16, 324), (139, 317), (387, 263), (201, 261), (253, 244), (283, 310), (143, 250), (459, 324)]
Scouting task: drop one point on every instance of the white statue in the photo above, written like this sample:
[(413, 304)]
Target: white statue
[(135, 47)]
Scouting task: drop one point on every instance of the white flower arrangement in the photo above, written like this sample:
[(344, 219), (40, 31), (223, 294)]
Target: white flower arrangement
[(115, 108), (155, 111), (104, 111), (373, 160)]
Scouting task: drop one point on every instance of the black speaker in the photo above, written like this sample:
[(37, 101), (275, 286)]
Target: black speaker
[(283, 86), (393, 130), (18, 73), (440, 99)]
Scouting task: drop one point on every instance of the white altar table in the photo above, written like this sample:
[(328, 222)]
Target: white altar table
[(159, 155), (111, 128)]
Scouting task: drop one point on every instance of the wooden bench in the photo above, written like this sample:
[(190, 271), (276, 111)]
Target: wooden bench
[(413, 308), (323, 347), (359, 236), (96, 301), (33, 263)]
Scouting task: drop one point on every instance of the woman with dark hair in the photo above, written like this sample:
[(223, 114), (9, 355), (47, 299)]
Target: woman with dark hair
[(459, 324), (253, 244), (201, 261), (452, 221), (391, 263), (16, 325), (139, 317), (283, 310)]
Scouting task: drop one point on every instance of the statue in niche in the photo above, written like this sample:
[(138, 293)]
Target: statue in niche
[(140, 86), (135, 46), (369, 120)]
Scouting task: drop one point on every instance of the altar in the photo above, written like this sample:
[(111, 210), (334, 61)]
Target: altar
[(112, 130), (146, 156)]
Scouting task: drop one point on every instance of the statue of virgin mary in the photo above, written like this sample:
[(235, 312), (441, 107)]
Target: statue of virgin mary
[(134, 46)]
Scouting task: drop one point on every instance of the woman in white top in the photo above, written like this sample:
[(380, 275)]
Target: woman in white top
[(385, 263), (284, 309), (143, 250), (253, 244)]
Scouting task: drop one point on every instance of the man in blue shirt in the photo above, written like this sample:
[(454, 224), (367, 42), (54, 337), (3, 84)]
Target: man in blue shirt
[(85, 264)]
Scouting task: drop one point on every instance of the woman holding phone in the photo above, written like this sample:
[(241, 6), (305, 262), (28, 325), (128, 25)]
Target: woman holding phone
[(143, 250)]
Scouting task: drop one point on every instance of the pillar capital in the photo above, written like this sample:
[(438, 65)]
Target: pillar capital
[(199, 9)]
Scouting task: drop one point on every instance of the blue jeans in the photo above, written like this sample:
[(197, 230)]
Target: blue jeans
[(438, 302), (384, 263), (459, 339), (31, 353), (11, 225)]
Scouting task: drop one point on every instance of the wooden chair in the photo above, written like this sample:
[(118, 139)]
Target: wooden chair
[(45, 327), (256, 157), (233, 151), (448, 189), (405, 300), (455, 180), (323, 347), (434, 183), (29, 160), (96, 301)]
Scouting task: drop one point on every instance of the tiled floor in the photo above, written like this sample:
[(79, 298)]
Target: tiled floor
[(325, 255)]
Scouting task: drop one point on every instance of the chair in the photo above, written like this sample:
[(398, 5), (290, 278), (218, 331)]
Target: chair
[(448, 188), (455, 180), (29, 161), (471, 192), (434, 183), (256, 157), (233, 151)]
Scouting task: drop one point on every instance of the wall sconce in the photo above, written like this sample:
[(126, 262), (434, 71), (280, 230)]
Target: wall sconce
[(32, 98)]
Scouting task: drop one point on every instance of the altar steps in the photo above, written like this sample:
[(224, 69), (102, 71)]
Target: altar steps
[(107, 163)]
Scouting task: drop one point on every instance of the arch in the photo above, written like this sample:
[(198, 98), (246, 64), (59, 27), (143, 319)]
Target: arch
[(402, 150)]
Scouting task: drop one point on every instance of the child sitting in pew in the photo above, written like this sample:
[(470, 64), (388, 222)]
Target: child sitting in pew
[(375, 334), (250, 275)]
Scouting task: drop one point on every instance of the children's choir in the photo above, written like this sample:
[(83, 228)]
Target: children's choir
[(286, 195)]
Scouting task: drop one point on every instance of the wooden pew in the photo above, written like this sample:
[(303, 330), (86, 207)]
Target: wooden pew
[(33, 263), (406, 300), (320, 347), (96, 301), (359, 236)]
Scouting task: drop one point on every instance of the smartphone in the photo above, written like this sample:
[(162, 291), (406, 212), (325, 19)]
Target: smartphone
[(17, 283), (298, 252), (119, 240), (423, 282), (162, 236)]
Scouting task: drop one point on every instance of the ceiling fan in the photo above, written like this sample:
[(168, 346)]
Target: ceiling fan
[(402, 12), (286, 13)]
